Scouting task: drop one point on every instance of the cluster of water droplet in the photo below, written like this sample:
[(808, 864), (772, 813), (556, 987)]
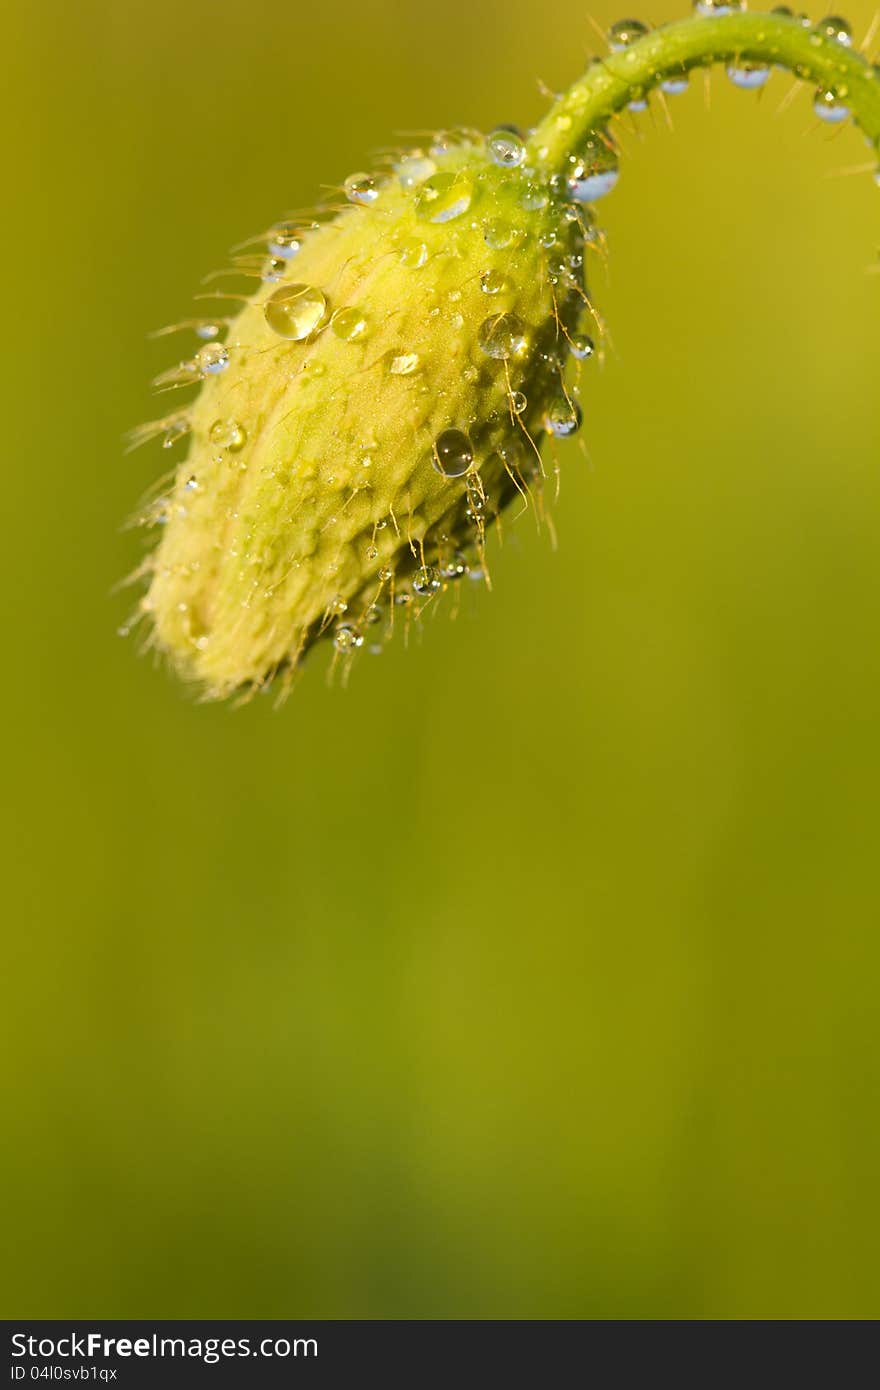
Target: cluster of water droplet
[(593, 177), (399, 594), (829, 103)]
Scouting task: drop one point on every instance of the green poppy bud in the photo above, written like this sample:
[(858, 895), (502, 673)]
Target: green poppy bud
[(375, 404)]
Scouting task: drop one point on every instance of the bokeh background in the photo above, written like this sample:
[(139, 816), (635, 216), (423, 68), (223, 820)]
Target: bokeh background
[(535, 974)]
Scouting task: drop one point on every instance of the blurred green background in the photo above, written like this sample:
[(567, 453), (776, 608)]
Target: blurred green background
[(535, 974)]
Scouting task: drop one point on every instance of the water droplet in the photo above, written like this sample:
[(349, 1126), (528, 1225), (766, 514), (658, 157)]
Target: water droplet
[(518, 402), (274, 270), (174, 429), (750, 77), (191, 484), (829, 108), (361, 188), (348, 324), (372, 552), (414, 170), (625, 32), (513, 456), (674, 86), (504, 336), (506, 148), (295, 311), (413, 254), (372, 615), (534, 197), (833, 27), (444, 197), (453, 453), (211, 359), (454, 567), (710, 8), (476, 500), (447, 140), (563, 418), (229, 435), (495, 282), (582, 346), (285, 239), (593, 173), (638, 103), (426, 580), (347, 638), (207, 329), (498, 234), (403, 364), (385, 574)]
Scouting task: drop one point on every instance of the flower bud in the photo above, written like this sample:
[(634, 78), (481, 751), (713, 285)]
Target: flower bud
[(377, 401)]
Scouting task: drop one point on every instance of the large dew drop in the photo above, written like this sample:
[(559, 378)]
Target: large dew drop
[(499, 234), (295, 311), (444, 197), (403, 363), (506, 147), (594, 172), (495, 282), (675, 86), (625, 32), (503, 336), (750, 77), (582, 346), (563, 418), (709, 9), (426, 580), (829, 108), (453, 453), (349, 324), (285, 239), (361, 188), (229, 435), (347, 638), (211, 359), (833, 27)]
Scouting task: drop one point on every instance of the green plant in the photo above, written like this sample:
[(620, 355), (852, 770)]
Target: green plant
[(382, 396)]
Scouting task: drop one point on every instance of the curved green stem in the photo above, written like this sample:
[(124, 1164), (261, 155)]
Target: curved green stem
[(611, 83)]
